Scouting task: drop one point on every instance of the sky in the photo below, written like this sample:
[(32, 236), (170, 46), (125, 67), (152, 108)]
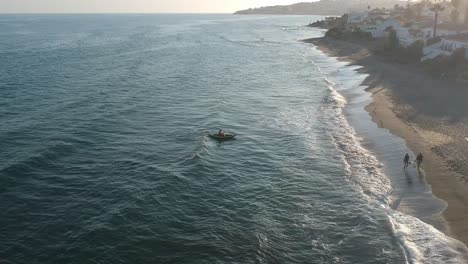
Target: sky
[(133, 6)]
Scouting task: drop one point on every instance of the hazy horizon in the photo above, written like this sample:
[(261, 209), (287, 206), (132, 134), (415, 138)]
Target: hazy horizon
[(135, 6)]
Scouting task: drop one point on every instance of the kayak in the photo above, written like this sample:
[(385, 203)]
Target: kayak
[(225, 137)]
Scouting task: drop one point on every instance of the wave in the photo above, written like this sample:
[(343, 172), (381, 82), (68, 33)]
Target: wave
[(421, 242), (362, 167)]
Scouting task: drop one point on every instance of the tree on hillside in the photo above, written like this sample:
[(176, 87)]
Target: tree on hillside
[(436, 9)]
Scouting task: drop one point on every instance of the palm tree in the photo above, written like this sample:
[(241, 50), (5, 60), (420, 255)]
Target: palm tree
[(436, 9)]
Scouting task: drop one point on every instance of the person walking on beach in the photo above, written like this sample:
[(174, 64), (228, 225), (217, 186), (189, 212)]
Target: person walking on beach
[(406, 162), (419, 160)]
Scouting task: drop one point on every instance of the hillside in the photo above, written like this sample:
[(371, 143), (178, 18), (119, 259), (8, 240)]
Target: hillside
[(323, 7)]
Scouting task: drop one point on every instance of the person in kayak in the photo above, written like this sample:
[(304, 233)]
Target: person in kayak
[(221, 133), (419, 160), (406, 161)]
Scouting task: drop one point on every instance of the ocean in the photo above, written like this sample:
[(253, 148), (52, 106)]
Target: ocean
[(105, 156)]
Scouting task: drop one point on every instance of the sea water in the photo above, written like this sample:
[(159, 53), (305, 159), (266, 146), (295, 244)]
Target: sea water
[(105, 156)]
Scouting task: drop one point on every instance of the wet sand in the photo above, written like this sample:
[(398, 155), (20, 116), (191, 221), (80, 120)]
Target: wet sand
[(431, 115)]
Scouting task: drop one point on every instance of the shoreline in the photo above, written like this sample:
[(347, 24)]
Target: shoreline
[(406, 101)]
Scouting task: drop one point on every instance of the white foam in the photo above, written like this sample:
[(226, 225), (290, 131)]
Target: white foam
[(422, 242), (362, 167)]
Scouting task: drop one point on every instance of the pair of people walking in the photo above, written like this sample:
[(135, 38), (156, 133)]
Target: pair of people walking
[(418, 160)]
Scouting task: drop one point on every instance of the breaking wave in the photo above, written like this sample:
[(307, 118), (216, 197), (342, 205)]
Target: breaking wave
[(421, 242)]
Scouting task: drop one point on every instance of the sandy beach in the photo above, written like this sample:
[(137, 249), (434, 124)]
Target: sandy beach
[(430, 114)]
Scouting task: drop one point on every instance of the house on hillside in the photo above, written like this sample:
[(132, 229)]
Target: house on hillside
[(380, 14), (381, 29), (446, 47), (370, 24), (356, 20), (379, 22), (453, 43), (408, 35), (373, 22)]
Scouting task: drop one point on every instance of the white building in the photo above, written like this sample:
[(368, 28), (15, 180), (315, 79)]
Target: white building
[(446, 47), (370, 25), (452, 43), (408, 36), (374, 22), (382, 28), (357, 20), (357, 17)]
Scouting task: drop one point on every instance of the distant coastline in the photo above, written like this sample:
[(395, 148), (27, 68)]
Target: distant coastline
[(322, 7), (427, 112)]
